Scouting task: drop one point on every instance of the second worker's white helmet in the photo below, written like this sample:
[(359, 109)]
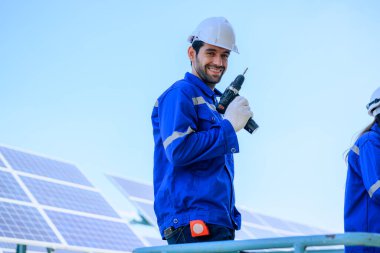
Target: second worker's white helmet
[(374, 103), (216, 31)]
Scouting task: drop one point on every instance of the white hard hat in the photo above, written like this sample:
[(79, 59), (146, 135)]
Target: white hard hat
[(374, 103), (216, 31)]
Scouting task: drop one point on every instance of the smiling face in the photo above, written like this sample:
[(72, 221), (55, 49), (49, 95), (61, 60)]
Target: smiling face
[(209, 64)]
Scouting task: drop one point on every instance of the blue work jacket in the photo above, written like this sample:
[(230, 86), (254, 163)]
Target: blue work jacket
[(193, 158), (362, 200)]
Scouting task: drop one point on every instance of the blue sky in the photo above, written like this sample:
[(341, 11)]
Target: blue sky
[(78, 81)]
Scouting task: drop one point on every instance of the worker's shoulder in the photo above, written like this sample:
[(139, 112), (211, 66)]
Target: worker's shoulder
[(369, 138), (181, 88), (184, 85)]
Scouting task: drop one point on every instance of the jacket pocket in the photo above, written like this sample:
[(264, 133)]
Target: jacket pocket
[(206, 118)]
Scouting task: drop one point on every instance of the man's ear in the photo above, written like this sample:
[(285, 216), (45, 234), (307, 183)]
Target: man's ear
[(191, 53)]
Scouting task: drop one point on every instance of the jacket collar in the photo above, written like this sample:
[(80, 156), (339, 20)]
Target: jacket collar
[(193, 79), (376, 128)]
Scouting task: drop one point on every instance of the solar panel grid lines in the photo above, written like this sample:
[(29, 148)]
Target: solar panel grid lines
[(53, 180), (261, 233), (272, 229), (80, 208), (250, 216), (24, 222), (243, 234), (40, 165), (48, 193), (9, 188), (39, 210), (304, 229), (90, 232), (11, 244), (152, 241), (5, 245), (254, 225), (2, 163), (147, 211), (286, 227), (267, 226), (139, 193), (133, 188), (279, 226)]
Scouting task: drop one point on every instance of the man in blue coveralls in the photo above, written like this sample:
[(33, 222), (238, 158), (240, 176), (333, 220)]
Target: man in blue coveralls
[(194, 144)]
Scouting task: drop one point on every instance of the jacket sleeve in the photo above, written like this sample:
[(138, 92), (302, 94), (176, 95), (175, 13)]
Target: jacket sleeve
[(182, 141), (370, 167)]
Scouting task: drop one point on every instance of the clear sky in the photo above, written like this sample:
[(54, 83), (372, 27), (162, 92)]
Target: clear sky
[(79, 78)]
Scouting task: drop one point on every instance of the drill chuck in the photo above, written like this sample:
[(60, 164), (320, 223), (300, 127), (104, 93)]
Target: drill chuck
[(229, 94)]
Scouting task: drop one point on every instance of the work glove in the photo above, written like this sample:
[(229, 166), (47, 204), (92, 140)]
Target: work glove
[(238, 113)]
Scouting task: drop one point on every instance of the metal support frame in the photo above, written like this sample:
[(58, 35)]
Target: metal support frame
[(21, 248), (296, 244)]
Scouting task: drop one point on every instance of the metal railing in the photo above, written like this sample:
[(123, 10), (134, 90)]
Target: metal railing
[(296, 244)]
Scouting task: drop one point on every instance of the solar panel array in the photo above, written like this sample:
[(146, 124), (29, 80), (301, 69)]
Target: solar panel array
[(140, 194), (254, 225), (2, 163), (51, 203)]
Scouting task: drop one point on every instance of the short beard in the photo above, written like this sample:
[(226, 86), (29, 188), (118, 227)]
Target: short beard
[(206, 78)]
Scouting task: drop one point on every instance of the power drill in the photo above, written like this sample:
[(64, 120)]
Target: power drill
[(229, 94)]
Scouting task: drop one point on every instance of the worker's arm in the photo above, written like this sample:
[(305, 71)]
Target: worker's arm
[(369, 159), (184, 143)]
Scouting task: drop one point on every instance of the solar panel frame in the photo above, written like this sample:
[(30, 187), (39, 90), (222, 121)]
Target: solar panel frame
[(146, 210), (10, 189), (254, 225), (243, 234), (153, 241), (140, 194), (82, 200), (24, 222), (43, 166), (304, 229), (98, 228), (250, 217), (2, 164), (41, 211), (261, 232), (132, 188)]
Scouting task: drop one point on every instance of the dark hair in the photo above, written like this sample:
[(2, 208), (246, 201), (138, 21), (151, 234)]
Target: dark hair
[(197, 45), (376, 120)]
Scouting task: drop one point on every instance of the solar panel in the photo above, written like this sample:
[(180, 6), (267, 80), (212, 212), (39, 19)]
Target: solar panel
[(276, 223), (242, 234), (261, 233), (140, 194), (5, 245), (11, 248), (133, 189), (304, 229), (42, 166), (2, 163), (250, 217), (59, 209), (254, 225), (10, 189), (24, 222), (155, 241), (147, 211), (90, 232), (78, 199)]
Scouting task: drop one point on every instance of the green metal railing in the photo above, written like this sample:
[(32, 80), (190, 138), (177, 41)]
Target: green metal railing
[(296, 244)]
